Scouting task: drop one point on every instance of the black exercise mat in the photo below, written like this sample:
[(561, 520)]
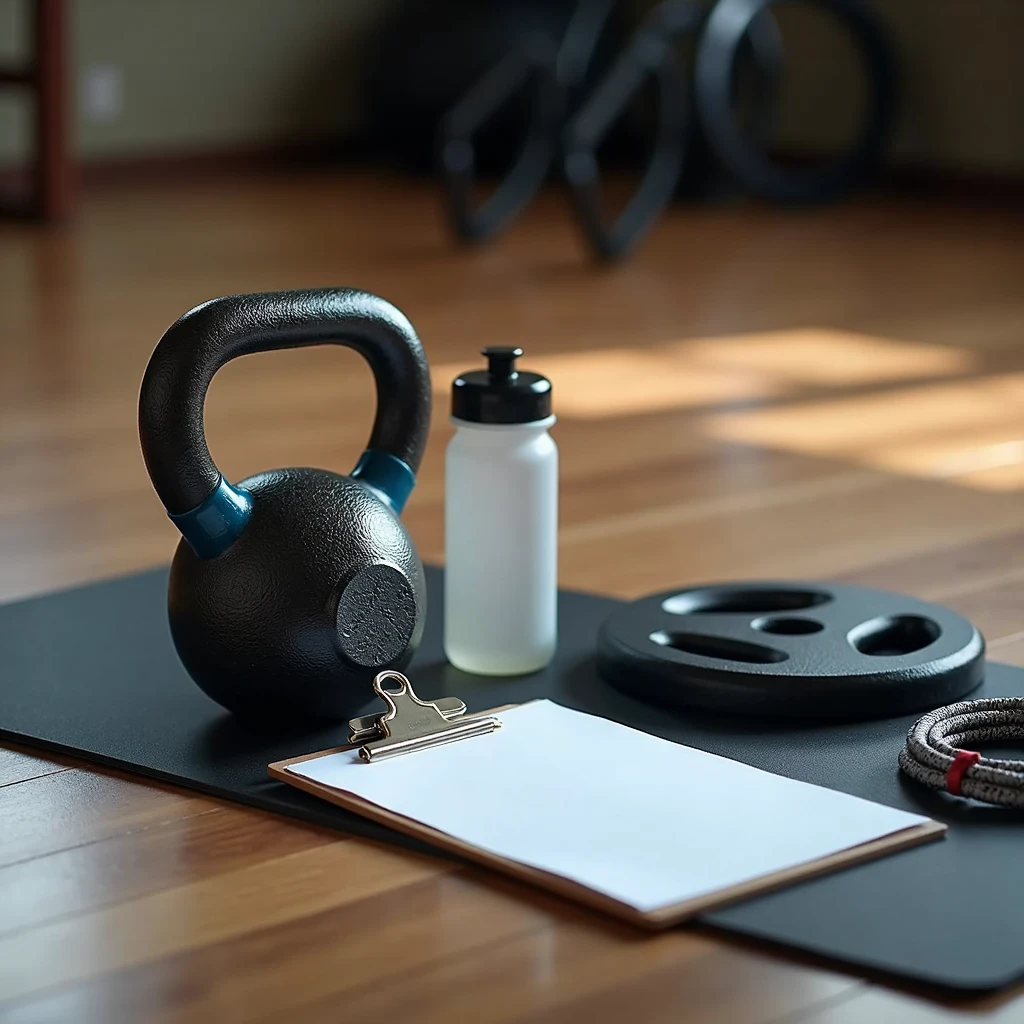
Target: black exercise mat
[(92, 671)]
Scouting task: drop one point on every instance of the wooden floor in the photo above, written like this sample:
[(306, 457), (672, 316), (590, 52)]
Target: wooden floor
[(836, 393)]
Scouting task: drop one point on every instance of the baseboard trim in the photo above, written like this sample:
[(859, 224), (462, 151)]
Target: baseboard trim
[(911, 182)]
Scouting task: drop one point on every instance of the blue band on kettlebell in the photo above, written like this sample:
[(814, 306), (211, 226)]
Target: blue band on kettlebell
[(386, 474), (212, 527)]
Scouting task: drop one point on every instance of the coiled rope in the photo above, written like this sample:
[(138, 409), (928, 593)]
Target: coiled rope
[(939, 750)]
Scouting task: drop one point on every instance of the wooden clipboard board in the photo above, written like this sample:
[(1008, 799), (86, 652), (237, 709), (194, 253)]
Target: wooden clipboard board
[(663, 917)]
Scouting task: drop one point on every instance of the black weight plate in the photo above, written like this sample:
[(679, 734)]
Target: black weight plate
[(791, 650), (727, 29)]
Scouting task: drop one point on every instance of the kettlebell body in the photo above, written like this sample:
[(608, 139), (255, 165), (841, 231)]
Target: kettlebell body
[(291, 589)]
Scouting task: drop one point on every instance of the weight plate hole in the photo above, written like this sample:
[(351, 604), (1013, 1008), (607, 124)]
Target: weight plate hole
[(890, 636), (788, 626), (745, 600), (720, 647)]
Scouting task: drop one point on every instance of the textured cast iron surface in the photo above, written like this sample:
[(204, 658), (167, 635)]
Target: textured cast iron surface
[(790, 650), (93, 671), (299, 613), (323, 588)]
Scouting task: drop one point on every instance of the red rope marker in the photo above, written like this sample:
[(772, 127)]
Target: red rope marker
[(964, 759)]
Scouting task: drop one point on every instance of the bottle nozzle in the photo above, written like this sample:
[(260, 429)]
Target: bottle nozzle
[(501, 361)]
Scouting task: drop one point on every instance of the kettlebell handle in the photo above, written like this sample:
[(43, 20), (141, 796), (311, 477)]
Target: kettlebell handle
[(208, 510)]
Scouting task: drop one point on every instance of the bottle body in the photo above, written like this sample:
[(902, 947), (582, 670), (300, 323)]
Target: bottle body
[(501, 547)]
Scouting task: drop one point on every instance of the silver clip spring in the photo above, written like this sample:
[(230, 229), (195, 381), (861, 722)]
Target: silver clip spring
[(412, 724)]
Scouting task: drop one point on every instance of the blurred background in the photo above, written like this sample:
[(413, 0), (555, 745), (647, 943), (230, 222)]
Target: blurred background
[(796, 353), (185, 79)]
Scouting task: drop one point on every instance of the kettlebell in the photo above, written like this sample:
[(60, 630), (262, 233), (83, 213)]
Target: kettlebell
[(291, 589)]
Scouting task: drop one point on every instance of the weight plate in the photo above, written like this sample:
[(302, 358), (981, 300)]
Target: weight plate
[(717, 56), (791, 650)]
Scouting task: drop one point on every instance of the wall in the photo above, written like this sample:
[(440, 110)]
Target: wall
[(204, 74), (962, 82)]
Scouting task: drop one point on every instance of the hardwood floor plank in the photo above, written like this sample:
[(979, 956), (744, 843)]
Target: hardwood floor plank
[(19, 764), (202, 913), (817, 537), (574, 972), (883, 1007), (1009, 649), (268, 971), (708, 990), (72, 808), (997, 610), (949, 570), (165, 855), (448, 948)]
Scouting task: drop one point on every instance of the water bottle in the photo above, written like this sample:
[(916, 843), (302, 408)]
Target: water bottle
[(501, 521)]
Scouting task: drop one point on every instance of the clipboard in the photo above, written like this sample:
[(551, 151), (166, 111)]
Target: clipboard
[(411, 724)]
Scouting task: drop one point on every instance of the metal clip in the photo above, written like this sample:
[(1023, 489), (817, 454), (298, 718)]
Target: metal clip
[(369, 728), (412, 724)]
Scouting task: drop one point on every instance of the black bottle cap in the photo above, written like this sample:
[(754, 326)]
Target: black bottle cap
[(501, 394)]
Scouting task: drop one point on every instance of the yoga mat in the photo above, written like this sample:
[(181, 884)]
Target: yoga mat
[(92, 672)]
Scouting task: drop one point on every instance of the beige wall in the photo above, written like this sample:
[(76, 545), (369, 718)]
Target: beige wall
[(200, 74)]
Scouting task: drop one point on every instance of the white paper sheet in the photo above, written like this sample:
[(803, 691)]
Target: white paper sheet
[(645, 821)]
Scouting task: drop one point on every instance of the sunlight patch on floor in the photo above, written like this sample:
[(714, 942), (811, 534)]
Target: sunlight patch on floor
[(721, 371), (970, 432)]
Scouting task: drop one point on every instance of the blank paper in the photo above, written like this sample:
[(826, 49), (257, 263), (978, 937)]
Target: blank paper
[(645, 821)]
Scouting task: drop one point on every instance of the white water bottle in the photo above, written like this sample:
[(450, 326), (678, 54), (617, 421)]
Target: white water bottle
[(501, 521)]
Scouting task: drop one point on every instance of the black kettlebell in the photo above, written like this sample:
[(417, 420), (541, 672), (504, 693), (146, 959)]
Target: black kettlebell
[(291, 589)]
